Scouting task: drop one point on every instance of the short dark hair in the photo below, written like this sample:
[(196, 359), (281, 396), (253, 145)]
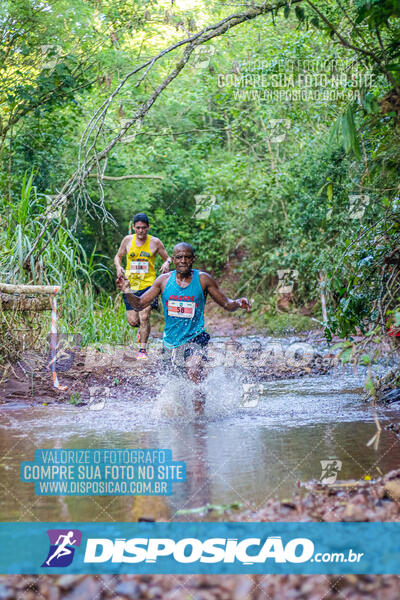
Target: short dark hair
[(141, 217)]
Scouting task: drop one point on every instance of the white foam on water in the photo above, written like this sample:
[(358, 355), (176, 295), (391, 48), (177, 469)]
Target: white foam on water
[(221, 392), (175, 400)]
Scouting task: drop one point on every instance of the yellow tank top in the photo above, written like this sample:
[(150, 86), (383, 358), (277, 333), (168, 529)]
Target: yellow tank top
[(140, 270)]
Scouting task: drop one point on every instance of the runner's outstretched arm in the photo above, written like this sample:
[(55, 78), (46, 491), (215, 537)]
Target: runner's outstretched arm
[(145, 299), (221, 298)]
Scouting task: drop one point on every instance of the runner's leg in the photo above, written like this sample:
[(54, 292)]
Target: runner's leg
[(194, 370), (144, 318), (195, 363), (133, 318), (194, 367)]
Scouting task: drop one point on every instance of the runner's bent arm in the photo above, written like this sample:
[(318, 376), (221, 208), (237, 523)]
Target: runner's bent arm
[(221, 298), (140, 302), (164, 255), (117, 258)]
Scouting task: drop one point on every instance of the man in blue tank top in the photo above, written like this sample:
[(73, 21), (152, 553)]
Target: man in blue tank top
[(184, 292)]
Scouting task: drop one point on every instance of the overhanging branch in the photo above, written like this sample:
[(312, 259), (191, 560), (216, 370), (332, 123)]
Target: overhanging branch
[(122, 177), (89, 158)]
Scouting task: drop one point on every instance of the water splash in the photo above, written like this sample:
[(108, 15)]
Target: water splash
[(175, 400), (223, 390), (220, 393)]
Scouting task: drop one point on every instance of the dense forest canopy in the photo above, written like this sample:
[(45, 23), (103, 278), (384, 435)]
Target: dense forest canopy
[(276, 142)]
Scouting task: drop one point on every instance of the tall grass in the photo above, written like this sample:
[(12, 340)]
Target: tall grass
[(99, 318)]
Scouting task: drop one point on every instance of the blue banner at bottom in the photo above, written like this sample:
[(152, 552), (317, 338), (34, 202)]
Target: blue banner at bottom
[(208, 548)]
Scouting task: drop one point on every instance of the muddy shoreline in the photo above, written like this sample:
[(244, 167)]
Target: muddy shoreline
[(30, 379)]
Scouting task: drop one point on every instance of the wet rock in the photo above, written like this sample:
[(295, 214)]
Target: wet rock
[(46, 592), (155, 593), (391, 396), (359, 499), (28, 582), (309, 585), (88, 588), (145, 577), (208, 595), (108, 581), (27, 595), (106, 589), (178, 595), (6, 593), (395, 427), (66, 582), (394, 474), (243, 589), (353, 512), (129, 589), (392, 489), (351, 579), (52, 593)]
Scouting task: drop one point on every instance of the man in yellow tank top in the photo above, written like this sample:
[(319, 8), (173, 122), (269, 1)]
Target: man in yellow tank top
[(140, 250)]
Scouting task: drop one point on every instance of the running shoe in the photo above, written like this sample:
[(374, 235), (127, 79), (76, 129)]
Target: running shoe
[(142, 354)]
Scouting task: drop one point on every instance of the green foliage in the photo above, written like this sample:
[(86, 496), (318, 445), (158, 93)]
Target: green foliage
[(278, 205), (377, 12)]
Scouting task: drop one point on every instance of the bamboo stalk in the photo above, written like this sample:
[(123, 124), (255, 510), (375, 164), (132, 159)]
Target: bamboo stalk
[(323, 299), (109, 178), (9, 288)]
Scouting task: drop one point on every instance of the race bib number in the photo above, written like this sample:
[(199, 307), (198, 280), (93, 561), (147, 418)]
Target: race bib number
[(139, 266), (177, 308)]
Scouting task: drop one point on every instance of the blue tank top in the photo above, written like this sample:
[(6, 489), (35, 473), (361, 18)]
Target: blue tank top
[(183, 310)]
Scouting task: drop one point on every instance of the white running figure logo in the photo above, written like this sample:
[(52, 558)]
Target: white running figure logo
[(62, 549)]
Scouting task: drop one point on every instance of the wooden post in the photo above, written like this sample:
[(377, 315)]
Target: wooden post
[(21, 302), (323, 298)]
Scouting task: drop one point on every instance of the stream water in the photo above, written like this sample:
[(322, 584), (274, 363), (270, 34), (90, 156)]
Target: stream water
[(233, 452)]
